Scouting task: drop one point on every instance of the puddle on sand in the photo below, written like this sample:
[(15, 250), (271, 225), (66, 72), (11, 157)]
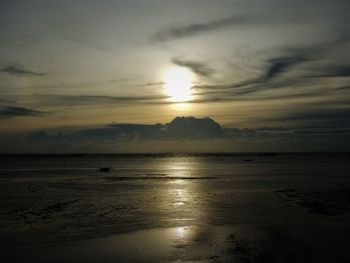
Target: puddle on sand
[(178, 244), (186, 243)]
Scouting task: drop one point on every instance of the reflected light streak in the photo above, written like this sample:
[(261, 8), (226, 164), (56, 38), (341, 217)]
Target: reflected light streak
[(181, 232)]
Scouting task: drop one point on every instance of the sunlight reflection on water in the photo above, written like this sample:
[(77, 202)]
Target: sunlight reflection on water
[(181, 202), (181, 232)]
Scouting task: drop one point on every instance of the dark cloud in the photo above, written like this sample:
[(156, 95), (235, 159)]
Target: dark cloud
[(87, 99), (91, 100), (3, 100), (275, 67), (334, 71), (279, 65), (188, 134), (11, 112), (159, 83), (194, 29), (277, 71), (342, 71), (19, 70), (330, 117), (244, 95), (343, 88), (178, 128), (182, 129), (195, 66), (191, 127)]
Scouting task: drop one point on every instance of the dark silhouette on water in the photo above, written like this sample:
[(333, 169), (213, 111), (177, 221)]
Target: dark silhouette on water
[(105, 169)]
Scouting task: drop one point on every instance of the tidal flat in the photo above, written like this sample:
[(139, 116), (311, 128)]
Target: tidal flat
[(175, 208)]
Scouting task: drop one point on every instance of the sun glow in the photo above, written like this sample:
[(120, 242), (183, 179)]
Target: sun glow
[(177, 84)]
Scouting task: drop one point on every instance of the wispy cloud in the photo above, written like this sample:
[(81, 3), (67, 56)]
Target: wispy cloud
[(196, 28), (19, 70), (281, 64), (343, 87), (93, 100), (282, 70), (11, 112), (5, 100), (275, 67), (333, 71), (195, 66), (330, 117)]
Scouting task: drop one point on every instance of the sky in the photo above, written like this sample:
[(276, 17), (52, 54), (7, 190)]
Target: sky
[(273, 74)]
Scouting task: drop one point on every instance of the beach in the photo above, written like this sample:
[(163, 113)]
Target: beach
[(242, 207)]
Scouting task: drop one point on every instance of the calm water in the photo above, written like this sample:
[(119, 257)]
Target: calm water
[(55, 199), (218, 165)]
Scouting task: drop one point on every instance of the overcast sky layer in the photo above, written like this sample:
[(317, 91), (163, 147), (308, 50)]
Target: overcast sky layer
[(67, 66)]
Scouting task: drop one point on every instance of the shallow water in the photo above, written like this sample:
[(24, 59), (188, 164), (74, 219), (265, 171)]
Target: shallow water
[(140, 209)]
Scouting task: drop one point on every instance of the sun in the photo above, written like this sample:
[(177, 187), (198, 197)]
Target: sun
[(177, 84)]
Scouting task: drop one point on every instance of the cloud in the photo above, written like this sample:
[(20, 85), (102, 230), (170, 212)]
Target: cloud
[(343, 88), (275, 67), (181, 129), (4, 100), (279, 65), (330, 117), (150, 84), (195, 66), (50, 100), (189, 134), (289, 69), (178, 128), (95, 99), (334, 71), (278, 70), (192, 128), (11, 112), (19, 70), (195, 29)]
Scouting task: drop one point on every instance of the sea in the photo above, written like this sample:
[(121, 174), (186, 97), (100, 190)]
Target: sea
[(174, 207)]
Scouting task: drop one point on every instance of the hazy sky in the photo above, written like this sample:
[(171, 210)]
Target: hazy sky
[(77, 64)]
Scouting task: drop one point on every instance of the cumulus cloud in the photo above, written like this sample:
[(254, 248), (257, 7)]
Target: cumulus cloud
[(180, 128), (190, 129)]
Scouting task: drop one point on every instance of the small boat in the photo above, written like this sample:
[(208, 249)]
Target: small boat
[(105, 169), (248, 160)]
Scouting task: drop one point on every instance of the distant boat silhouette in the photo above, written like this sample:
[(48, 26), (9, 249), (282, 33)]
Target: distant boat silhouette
[(248, 160), (105, 169)]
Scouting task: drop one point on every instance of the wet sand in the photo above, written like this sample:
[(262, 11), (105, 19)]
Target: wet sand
[(177, 209)]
